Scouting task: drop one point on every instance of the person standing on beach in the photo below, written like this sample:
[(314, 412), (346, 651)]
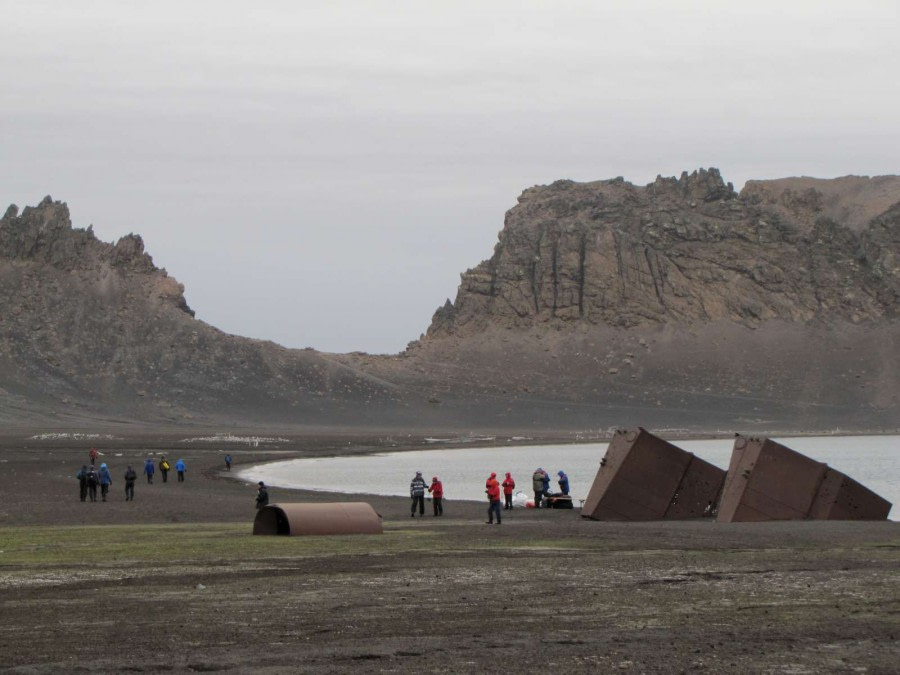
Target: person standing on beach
[(228, 462), (493, 494), (563, 482), (164, 468), (417, 492), (82, 477), (180, 468), (105, 481), (262, 496), (149, 469), (92, 455), (508, 485), (436, 489), (130, 478), (537, 484)]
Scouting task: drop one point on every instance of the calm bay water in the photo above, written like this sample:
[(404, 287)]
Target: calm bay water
[(873, 461)]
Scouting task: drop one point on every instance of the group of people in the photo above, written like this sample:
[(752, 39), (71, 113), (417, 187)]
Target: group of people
[(493, 488), (89, 478)]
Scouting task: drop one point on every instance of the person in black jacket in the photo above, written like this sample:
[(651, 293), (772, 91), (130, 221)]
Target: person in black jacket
[(82, 477), (262, 496), (130, 478)]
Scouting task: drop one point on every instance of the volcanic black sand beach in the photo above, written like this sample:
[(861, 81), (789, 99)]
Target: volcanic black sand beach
[(173, 582)]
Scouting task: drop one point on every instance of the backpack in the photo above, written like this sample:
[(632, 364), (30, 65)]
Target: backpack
[(164, 465), (91, 477), (130, 476)]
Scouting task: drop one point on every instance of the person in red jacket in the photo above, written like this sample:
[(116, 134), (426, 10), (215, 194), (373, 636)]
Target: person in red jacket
[(508, 486), (437, 496), (493, 494)]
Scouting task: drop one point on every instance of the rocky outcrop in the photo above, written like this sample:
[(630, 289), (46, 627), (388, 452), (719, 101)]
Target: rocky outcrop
[(687, 250)]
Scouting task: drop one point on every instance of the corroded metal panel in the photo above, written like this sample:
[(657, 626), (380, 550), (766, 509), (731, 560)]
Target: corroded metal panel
[(643, 477), (317, 519), (769, 481)]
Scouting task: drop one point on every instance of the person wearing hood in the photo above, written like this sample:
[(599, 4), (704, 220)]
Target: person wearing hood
[(563, 482), (105, 481), (149, 469), (130, 478), (164, 468), (180, 468), (537, 484), (262, 496), (508, 485), (82, 477), (92, 455), (492, 488), (417, 492), (436, 489), (546, 484)]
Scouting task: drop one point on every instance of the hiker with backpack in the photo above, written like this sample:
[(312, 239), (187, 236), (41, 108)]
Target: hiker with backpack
[(92, 481), (149, 469), (82, 477), (105, 480), (164, 468), (130, 478)]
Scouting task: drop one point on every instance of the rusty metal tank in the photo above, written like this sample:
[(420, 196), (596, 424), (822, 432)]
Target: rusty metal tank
[(316, 519), (643, 477), (769, 481)]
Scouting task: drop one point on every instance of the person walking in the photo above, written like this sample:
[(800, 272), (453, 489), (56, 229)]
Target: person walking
[(82, 477), (436, 489), (164, 468), (508, 485), (563, 482), (130, 478), (492, 488), (105, 481), (417, 492), (228, 462), (180, 468), (92, 481), (149, 469), (93, 455), (262, 496), (537, 484)]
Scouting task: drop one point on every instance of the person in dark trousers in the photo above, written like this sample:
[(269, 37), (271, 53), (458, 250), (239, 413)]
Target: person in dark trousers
[(180, 468), (546, 484), (149, 469), (105, 481), (164, 468), (436, 489), (228, 462), (537, 484), (130, 478), (417, 492), (92, 455), (82, 477), (92, 481), (492, 488), (563, 482), (262, 496), (508, 486)]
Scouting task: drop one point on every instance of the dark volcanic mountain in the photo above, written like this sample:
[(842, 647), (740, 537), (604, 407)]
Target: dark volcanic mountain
[(680, 304)]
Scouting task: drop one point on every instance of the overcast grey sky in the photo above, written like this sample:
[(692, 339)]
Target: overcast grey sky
[(319, 173)]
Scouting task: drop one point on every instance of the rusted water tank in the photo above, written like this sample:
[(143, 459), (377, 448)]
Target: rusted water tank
[(311, 519)]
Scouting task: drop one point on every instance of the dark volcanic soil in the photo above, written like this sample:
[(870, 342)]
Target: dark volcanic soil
[(545, 591)]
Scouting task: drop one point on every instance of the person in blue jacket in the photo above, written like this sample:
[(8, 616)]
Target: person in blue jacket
[(180, 469), (105, 481), (563, 482), (546, 483), (149, 469)]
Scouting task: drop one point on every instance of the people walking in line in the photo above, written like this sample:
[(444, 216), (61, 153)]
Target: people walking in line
[(180, 468), (92, 481), (563, 482), (436, 489), (105, 481), (492, 488), (417, 492), (82, 477), (164, 468), (93, 455), (537, 484), (149, 469), (508, 485), (228, 462), (130, 478), (262, 495)]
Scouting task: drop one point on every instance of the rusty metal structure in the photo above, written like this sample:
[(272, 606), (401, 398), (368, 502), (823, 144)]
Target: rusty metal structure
[(643, 477), (317, 519), (769, 481)]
